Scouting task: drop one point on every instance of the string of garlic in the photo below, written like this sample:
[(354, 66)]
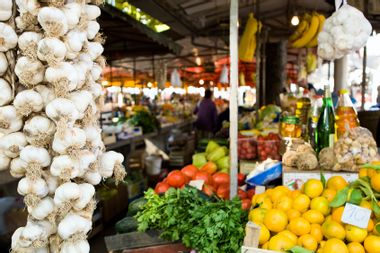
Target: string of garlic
[(61, 154)]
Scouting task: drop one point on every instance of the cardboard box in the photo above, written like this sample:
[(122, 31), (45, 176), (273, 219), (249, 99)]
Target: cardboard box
[(294, 179)]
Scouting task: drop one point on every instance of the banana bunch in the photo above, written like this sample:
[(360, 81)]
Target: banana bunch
[(247, 45), (306, 34), (311, 62)]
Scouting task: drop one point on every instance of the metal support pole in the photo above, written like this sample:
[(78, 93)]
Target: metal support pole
[(258, 64), (234, 31), (340, 73), (364, 76), (264, 69)]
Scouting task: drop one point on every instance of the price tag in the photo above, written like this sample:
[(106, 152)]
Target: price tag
[(259, 189), (356, 215), (197, 184)]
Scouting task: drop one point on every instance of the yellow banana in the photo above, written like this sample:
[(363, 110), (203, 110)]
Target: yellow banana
[(309, 34), (311, 62), (314, 41), (247, 45), (301, 28)]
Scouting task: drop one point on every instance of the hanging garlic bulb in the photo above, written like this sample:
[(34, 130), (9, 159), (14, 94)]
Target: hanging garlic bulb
[(37, 187), (86, 159), (44, 208), (51, 50), (93, 177), (94, 139), (29, 72), (72, 12), (39, 130), (111, 163), (70, 141), (12, 143), (3, 64), (63, 112), (87, 192), (53, 21), (94, 49), (73, 224), (36, 158), (92, 12), (65, 167), (4, 161), (30, 6), (17, 168), (51, 181), (96, 71), (28, 42), (6, 92), (79, 246), (6, 7), (46, 93), (28, 101), (10, 122), (74, 42), (92, 30), (63, 77), (8, 37)]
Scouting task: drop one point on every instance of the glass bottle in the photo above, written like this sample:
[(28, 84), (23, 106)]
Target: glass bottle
[(325, 134), (346, 116)]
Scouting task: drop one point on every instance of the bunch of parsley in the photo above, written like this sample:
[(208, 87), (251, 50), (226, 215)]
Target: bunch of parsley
[(207, 225)]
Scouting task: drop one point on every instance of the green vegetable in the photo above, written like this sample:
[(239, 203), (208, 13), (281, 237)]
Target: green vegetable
[(125, 225), (145, 120), (211, 146), (136, 206), (184, 214), (199, 160), (223, 163), (217, 154)]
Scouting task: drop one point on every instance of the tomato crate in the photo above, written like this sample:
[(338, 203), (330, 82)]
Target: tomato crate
[(269, 149), (247, 148)]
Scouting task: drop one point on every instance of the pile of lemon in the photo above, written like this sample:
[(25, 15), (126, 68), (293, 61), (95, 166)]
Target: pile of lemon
[(288, 218)]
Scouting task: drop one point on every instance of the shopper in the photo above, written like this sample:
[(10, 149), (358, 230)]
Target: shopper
[(206, 116)]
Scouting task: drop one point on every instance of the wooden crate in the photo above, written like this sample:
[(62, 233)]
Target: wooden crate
[(251, 240)]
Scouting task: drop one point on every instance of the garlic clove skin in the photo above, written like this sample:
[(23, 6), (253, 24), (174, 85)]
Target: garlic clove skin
[(39, 130), (5, 10), (6, 92), (93, 28), (75, 40), (81, 246), (86, 159), (28, 42), (33, 154), (62, 75), (30, 72), (47, 227), (108, 161), (12, 144), (60, 108), (51, 50), (43, 209), (52, 182), (28, 186), (46, 93), (82, 100), (10, 122), (17, 168), (72, 12), (93, 177), (4, 161), (96, 72), (94, 49), (91, 11), (53, 21), (64, 167), (28, 101), (8, 36), (66, 192), (30, 6), (96, 90), (87, 193), (3, 64), (73, 224), (71, 138)]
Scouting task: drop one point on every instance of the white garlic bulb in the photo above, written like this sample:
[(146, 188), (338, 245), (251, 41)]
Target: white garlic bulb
[(62, 108), (28, 101), (63, 77), (6, 7), (12, 143), (4, 161), (46, 93), (73, 13), (10, 122), (39, 130), (8, 37), (53, 21), (3, 64), (28, 42), (6, 92), (92, 12), (51, 50), (93, 28), (65, 167), (18, 167), (94, 49), (70, 141), (29, 72)]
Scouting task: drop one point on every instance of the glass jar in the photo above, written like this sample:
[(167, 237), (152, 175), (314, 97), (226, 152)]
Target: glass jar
[(290, 127)]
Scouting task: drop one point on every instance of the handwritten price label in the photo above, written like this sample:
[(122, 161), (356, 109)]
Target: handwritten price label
[(356, 215), (197, 184)]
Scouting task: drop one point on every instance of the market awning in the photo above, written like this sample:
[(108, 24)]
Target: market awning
[(127, 37)]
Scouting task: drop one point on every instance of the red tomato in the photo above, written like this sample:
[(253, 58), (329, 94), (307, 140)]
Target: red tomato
[(241, 179), (242, 194), (223, 191), (208, 189), (161, 187), (189, 171), (221, 178), (245, 204), (202, 175), (176, 179), (250, 193)]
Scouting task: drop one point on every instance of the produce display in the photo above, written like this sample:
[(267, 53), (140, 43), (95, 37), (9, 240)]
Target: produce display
[(143, 118), (306, 33), (50, 136), (346, 30), (311, 218), (215, 158), (198, 221), (302, 157), (247, 148), (269, 146)]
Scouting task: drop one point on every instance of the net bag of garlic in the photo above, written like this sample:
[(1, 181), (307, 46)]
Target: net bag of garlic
[(48, 119), (355, 148)]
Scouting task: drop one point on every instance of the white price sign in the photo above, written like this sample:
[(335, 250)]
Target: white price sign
[(197, 184), (356, 215)]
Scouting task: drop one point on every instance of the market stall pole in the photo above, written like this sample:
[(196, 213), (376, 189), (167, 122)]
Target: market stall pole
[(233, 96)]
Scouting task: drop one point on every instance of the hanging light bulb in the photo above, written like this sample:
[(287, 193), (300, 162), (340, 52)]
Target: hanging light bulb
[(201, 82), (295, 20), (198, 61)]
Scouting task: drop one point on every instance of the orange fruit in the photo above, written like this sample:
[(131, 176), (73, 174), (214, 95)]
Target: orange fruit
[(293, 213), (314, 216), (299, 226), (355, 234), (265, 245), (284, 203), (257, 215), (355, 247), (337, 214), (363, 172), (329, 194), (320, 204), (371, 225), (371, 172), (290, 235), (267, 203), (316, 232), (336, 183), (372, 244), (301, 203), (333, 229), (275, 220), (269, 192), (374, 230), (258, 199), (375, 182), (308, 242), (280, 243), (334, 245), (366, 204), (294, 193), (277, 194), (264, 234), (313, 188)]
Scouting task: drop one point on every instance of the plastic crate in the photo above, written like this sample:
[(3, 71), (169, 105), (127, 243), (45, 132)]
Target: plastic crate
[(266, 176)]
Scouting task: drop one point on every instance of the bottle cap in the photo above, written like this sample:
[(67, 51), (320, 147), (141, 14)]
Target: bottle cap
[(343, 91)]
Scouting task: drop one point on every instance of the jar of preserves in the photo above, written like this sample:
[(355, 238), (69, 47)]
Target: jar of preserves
[(290, 127)]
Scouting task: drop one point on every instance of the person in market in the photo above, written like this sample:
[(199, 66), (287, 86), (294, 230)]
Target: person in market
[(207, 115)]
